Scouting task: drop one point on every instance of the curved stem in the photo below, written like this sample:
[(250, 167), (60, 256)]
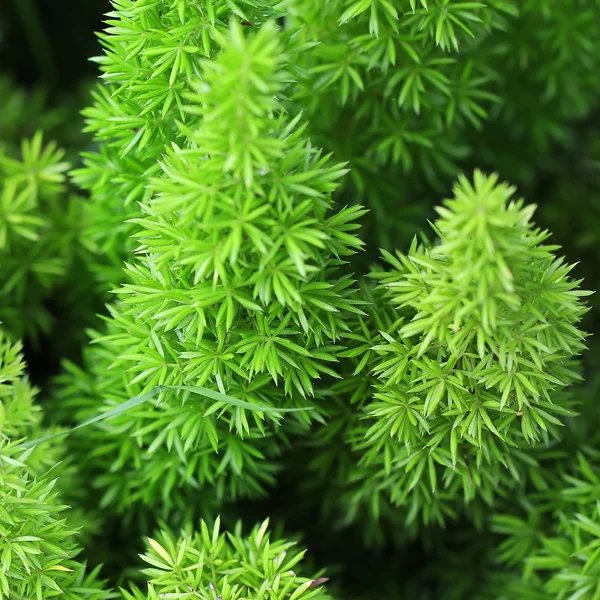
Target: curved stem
[(38, 41)]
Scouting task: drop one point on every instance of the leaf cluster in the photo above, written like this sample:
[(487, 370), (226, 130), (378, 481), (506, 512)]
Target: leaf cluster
[(151, 61), (39, 234), (208, 563), (456, 380), (238, 284), (38, 546)]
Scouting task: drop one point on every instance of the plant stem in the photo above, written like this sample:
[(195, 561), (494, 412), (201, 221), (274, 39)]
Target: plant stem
[(38, 41)]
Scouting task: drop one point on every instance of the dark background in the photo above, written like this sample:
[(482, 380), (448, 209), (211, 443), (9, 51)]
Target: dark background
[(49, 42)]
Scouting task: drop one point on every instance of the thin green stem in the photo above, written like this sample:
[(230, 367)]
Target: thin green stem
[(38, 41)]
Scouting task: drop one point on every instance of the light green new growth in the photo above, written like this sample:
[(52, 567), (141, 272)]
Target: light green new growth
[(238, 284), (210, 564), (151, 63), (477, 335)]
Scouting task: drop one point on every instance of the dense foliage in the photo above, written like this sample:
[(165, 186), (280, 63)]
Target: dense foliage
[(38, 545), (291, 268)]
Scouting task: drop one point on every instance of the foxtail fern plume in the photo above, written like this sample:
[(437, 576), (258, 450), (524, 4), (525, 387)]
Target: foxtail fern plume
[(491, 305), (477, 338), (151, 62), (238, 283)]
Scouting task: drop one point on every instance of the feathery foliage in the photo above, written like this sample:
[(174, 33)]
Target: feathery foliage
[(460, 371), (207, 563), (38, 548), (238, 284), (271, 347), (37, 233)]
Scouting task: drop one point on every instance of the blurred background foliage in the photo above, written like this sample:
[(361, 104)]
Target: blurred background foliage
[(45, 78)]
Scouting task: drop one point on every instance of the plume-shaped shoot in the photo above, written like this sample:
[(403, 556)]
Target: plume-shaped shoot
[(238, 284)]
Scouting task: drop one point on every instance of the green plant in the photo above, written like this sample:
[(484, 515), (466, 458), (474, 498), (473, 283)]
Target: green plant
[(432, 407), (207, 563), (40, 242), (239, 284), (150, 66), (38, 547), (467, 353)]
